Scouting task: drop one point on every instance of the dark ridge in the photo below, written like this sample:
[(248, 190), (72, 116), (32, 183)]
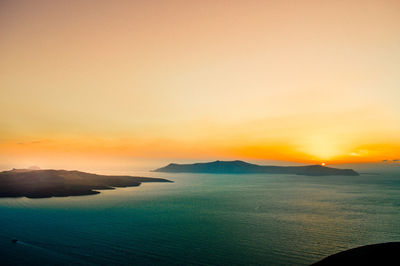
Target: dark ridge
[(376, 254), (62, 183), (240, 167)]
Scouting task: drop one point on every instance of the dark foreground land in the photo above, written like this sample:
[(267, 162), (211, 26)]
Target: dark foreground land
[(240, 167), (62, 183), (377, 254)]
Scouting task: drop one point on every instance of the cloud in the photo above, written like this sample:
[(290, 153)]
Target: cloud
[(32, 142)]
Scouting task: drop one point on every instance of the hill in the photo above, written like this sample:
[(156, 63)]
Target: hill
[(62, 183), (240, 167)]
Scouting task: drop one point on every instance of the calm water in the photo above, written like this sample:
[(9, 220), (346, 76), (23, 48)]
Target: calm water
[(205, 219)]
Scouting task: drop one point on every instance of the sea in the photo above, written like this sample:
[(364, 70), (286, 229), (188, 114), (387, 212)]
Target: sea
[(206, 219)]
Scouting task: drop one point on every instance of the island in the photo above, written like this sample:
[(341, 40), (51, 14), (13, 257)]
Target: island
[(241, 167), (376, 254), (32, 183)]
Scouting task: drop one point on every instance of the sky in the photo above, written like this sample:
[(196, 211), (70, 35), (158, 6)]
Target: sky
[(86, 82)]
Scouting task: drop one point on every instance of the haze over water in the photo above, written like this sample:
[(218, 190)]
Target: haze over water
[(207, 219)]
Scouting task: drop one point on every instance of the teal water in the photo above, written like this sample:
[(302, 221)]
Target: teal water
[(205, 219)]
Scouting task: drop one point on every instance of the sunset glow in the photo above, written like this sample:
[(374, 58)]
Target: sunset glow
[(305, 81)]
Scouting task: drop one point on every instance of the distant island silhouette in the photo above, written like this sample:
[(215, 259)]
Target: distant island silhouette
[(376, 254), (62, 183), (241, 167)]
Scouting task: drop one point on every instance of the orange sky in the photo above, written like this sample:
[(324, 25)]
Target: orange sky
[(304, 81)]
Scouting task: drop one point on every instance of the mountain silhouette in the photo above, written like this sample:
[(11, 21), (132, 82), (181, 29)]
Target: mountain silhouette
[(241, 167), (62, 183)]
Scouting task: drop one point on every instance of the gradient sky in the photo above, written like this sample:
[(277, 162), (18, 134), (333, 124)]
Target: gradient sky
[(304, 81)]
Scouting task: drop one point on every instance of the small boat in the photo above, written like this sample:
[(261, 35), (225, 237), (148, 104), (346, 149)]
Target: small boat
[(14, 240)]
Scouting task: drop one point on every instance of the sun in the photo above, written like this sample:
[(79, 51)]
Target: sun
[(323, 164)]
